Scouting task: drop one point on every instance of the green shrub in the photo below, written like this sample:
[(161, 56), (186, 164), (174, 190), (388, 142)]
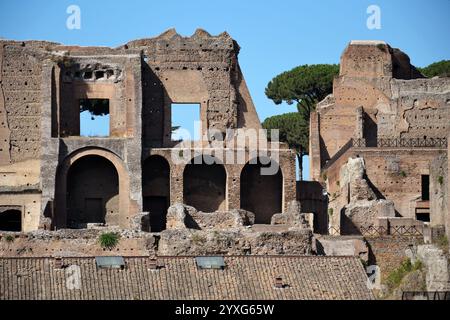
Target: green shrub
[(403, 174), (9, 238), (330, 211), (382, 47), (442, 242), (394, 279), (109, 240), (441, 180), (197, 238), (363, 262)]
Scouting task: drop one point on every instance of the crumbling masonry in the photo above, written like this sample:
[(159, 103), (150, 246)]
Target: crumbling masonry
[(379, 143), (378, 147), (53, 178)]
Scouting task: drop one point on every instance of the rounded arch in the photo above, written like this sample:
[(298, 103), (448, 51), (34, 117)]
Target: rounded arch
[(262, 188), (156, 191), (11, 220), (119, 216), (205, 184)]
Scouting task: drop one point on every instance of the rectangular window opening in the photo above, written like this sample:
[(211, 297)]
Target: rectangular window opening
[(423, 216), (94, 117), (425, 187), (185, 121)]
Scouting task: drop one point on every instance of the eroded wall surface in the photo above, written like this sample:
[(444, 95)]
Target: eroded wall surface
[(383, 110), (42, 86)]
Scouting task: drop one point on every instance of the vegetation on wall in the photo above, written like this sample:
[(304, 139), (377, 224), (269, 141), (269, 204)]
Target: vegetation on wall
[(109, 240), (198, 238), (396, 276), (442, 243), (9, 238)]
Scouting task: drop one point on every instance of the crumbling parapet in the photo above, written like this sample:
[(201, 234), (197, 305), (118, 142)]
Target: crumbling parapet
[(178, 242), (342, 246), (293, 217), (363, 209), (181, 216), (192, 232)]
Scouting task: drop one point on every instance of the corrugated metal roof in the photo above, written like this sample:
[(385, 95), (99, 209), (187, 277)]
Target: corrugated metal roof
[(210, 262), (110, 262)]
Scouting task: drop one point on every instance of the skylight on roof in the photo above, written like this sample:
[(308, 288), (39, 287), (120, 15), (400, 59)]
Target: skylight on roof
[(110, 262), (210, 262)]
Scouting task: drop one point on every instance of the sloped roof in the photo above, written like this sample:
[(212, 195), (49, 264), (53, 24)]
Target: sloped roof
[(243, 278)]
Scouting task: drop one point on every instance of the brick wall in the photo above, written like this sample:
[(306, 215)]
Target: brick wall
[(388, 252)]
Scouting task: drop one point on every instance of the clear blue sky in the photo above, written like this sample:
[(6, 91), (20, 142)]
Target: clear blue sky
[(274, 35)]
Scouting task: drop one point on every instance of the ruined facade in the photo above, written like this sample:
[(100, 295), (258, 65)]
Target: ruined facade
[(379, 142), (51, 177)]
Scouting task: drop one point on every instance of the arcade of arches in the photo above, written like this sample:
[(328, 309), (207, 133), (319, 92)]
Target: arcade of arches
[(93, 182)]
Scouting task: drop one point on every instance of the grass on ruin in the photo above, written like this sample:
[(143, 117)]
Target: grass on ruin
[(109, 240), (198, 239), (442, 243), (9, 238), (394, 279)]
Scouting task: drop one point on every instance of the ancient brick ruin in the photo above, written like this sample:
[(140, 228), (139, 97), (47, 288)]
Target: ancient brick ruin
[(379, 143), (53, 178), (378, 153)]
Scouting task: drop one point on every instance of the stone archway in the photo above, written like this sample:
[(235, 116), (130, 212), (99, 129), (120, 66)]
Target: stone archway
[(204, 184), (92, 192), (261, 194), (156, 190), (109, 173)]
